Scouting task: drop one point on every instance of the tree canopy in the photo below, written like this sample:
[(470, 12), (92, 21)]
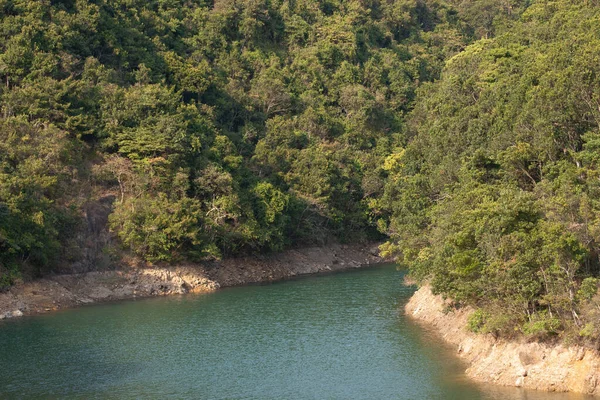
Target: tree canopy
[(218, 127), (495, 197)]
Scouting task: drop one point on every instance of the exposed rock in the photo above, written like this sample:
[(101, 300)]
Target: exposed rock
[(61, 291), (509, 363), (520, 381), (100, 293)]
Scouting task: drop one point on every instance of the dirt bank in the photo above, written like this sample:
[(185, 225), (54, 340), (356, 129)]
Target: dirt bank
[(62, 291), (529, 365)]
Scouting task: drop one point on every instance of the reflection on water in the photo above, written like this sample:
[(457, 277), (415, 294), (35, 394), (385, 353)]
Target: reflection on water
[(340, 336)]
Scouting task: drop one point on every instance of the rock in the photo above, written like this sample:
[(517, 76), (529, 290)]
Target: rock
[(528, 356), (520, 381), (100, 293), (179, 285), (591, 383), (374, 251), (543, 366), (143, 280)]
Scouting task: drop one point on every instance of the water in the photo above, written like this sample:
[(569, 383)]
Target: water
[(340, 336)]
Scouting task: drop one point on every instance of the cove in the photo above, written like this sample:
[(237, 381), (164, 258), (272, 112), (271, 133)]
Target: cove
[(338, 336)]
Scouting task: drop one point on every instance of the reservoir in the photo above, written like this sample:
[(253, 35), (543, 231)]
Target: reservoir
[(338, 336)]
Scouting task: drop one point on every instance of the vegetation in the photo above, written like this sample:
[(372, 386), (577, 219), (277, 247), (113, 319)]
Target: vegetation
[(495, 198), (467, 131), (217, 128)]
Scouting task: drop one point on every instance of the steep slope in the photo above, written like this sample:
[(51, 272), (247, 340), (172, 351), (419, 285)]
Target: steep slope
[(495, 198)]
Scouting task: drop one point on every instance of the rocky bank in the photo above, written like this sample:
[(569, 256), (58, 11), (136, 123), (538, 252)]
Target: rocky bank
[(62, 291), (530, 365)]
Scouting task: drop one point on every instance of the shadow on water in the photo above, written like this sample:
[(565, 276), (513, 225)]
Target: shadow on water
[(336, 336)]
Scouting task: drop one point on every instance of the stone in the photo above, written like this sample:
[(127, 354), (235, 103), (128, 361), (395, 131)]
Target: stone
[(17, 313), (520, 381), (591, 383), (580, 354), (100, 293)]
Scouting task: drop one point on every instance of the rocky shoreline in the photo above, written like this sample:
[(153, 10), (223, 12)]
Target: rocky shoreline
[(65, 291), (531, 365)]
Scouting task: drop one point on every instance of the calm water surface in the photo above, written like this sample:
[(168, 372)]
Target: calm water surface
[(340, 336)]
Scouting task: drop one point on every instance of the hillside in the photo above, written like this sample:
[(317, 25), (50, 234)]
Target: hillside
[(495, 198), (193, 130)]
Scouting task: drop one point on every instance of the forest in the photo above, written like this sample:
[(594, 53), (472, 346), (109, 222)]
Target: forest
[(464, 133)]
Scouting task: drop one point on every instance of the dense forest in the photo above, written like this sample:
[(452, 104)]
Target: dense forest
[(467, 132), (496, 197), (210, 128)]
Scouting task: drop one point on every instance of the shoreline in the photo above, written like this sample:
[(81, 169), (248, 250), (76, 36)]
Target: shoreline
[(530, 365), (56, 292)]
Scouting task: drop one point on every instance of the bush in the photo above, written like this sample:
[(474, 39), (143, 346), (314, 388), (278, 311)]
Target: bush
[(158, 229), (477, 321), (542, 324)]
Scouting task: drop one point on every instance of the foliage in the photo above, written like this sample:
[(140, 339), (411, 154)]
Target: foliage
[(477, 321), (220, 128), (35, 169), (494, 198)]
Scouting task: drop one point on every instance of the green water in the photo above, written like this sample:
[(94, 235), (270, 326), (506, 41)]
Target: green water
[(340, 336)]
